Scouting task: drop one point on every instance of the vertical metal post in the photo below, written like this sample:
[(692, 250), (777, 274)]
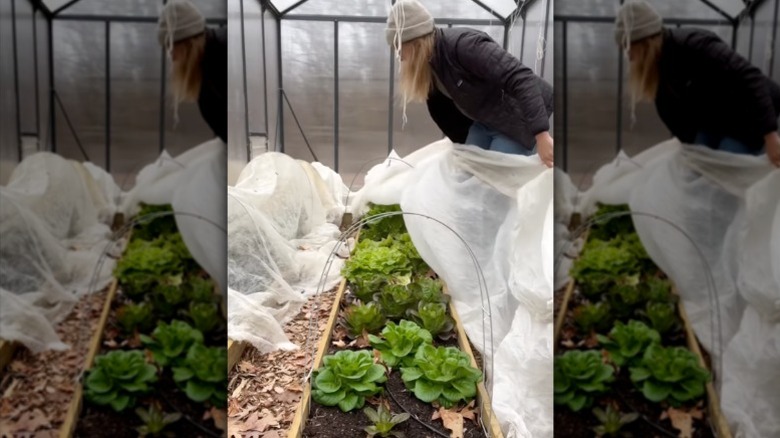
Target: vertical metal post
[(280, 115), (16, 81), (390, 112), (773, 53), (620, 99), (108, 96), (37, 84), (336, 95), (565, 131), (163, 80), (265, 73), (546, 26), (752, 32), (506, 35), (52, 112), (522, 38), (243, 77), (734, 35)]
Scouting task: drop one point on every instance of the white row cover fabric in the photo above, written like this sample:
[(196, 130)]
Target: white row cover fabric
[(282, 216), (501, 206), (715, 213)]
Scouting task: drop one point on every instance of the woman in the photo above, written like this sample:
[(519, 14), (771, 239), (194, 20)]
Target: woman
[(199, 56), (704, 92), (465, 76)]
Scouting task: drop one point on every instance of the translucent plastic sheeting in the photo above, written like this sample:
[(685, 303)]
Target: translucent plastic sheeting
[(194, 184), (282, 216), (728, 205), (501, 206), (54, 217), (138, 8)]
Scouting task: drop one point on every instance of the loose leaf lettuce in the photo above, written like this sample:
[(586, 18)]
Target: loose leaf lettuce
[(346, 379), (399, 343), (670, 374), (626, 342), (169, 343), (579, 376), (434, 318), (203, 374), (118, 378), (441, 374), (363, 317)]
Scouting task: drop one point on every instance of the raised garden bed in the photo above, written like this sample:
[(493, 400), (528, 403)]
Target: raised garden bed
[(159, 354), (627, 360), (382, 357)]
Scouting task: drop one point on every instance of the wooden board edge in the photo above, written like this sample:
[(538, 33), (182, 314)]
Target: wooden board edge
[(7, 350), (483, 400), (302, 413), (74, 410), (717, 420), (559, 320), (235, 349)]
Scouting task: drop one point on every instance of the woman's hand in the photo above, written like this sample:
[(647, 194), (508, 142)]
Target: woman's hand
[(773, 148), (544, 146)]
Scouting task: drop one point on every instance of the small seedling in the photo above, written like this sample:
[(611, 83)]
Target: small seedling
[(384, 421), (155, 422), (612, 421)]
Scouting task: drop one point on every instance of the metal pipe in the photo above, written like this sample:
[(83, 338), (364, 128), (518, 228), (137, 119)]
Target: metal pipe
[(522, 41), (108, 96), (490, 10), (546, 26), (37, 82), (243, 77), (565, 96), (336, 95), (734, 36), (366, 19), (127, 19), (163, 80), (265, 74), (720, 11), (52, 113), (280, 115), (390, 109), (293, 6), (16, 81), (752, 33), (63, 7), (506, 36), (773, 45), (619, 115)]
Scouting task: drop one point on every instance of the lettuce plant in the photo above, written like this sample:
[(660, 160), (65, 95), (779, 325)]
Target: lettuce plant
[(395, 300), (143, 265), (616, 226), (625, 296), (400, 342), (612, 421), (203, 374), (118, 378), (168, 297), (363, 317), (198, 289), (662, 316), (383, 422), (428, 290), (372, 265), (441, 374), (433, 317), (170, 342), (150, 229), (659, 290), (155, 421), (379, 229), (670, 374), (403, 242), (132, 317), (579, 377), (626, 342), (596, 317), (600, 264), (205, 316), (346, 379)]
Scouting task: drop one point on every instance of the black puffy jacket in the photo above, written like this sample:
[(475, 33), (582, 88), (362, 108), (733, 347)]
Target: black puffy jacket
[(490, 86), (705, 86), (212, 100)]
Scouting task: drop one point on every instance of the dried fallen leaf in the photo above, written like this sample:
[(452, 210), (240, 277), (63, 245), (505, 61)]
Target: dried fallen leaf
[(237, 392), (339, 344), (220, 418), (278, 390), (469, 412), (681, 420), (451, 420), (591, 341)]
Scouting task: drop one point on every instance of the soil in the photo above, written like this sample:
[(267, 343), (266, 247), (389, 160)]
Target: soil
[(330, 422), (103, 421)]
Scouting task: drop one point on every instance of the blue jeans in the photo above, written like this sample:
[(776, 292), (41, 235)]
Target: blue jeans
[(726, 144), (486, 138)]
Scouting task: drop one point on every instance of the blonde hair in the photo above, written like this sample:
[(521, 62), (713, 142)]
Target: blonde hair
[(187, 74), (644, 74), (416, 73)]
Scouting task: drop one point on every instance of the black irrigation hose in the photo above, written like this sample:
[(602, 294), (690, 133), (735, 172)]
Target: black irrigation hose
[(188, 418), (428, 426), (644, 417)]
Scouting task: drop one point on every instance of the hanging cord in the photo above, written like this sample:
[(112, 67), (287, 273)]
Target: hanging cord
[(397, 44), (628, 24), (170, 21)]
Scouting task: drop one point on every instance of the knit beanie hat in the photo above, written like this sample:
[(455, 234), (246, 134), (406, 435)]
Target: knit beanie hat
[(179, 20), (410, 19), (636, 20)]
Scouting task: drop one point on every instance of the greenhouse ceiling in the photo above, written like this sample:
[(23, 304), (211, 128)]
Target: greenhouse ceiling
[(500, 9)]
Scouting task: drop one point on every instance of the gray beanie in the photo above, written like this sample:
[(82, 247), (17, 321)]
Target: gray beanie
[(179, 20), (639, 19), (411, 19)]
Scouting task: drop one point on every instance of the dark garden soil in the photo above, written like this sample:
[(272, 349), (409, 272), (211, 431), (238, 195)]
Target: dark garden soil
[(103, 421), (196, 418), (327, 422)]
